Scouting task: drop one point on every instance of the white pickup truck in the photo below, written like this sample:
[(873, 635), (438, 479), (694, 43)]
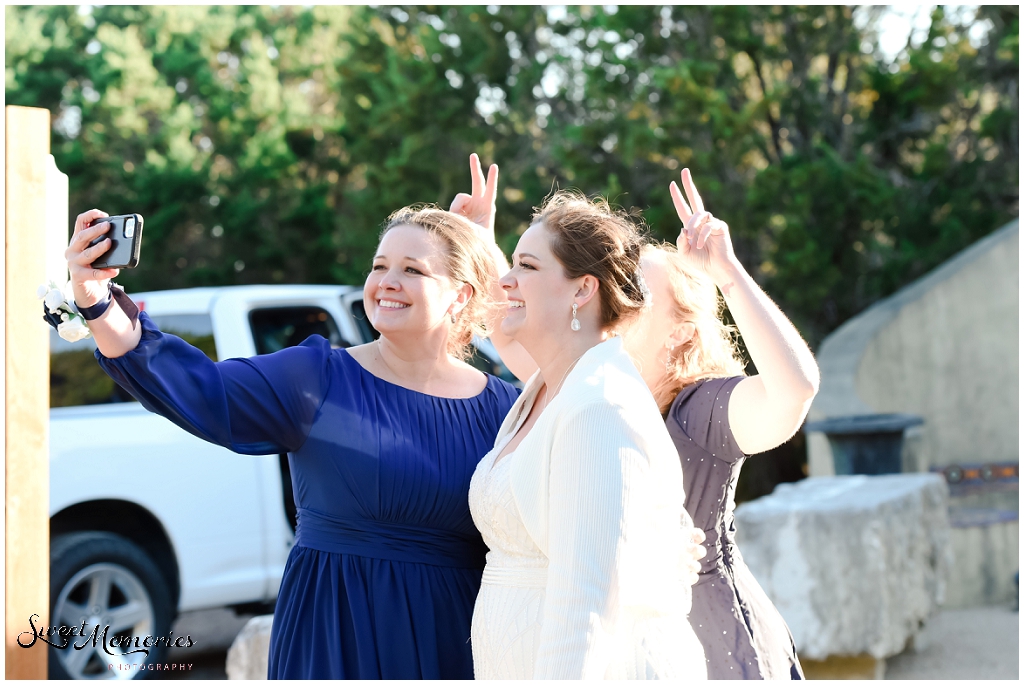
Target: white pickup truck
[(150, 520)]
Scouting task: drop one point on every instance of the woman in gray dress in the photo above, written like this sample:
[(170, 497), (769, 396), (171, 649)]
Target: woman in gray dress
[(717, 417)]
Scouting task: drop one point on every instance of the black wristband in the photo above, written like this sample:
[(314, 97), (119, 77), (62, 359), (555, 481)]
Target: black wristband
[(114, 292), (98, 309), (126, 304)]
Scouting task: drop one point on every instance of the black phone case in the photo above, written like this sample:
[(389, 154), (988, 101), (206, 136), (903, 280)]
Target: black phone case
[(123, 252)]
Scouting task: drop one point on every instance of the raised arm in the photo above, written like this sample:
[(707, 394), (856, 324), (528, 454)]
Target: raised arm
[(480, 208), (113, 330), (767, 409), (263, 405)]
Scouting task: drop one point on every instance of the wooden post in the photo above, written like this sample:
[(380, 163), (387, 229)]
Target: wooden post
[(26, 389)]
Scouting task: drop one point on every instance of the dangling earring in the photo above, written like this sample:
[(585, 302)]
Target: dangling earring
[(452, 314), (575, 325)]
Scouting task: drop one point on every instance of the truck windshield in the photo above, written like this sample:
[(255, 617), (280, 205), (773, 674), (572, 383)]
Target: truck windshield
[(276, 328)]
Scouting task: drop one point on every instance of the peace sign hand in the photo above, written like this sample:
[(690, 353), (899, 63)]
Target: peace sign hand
[(704, 240), (480, 206)]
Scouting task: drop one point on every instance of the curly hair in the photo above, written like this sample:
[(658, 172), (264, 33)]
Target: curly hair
[(589, 237), (712, 351), (467, 260)]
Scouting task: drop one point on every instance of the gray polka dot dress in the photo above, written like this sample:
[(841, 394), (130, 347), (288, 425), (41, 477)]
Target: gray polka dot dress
[(743, 634)]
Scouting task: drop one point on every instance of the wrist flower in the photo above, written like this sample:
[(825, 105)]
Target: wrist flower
[(60, 311)]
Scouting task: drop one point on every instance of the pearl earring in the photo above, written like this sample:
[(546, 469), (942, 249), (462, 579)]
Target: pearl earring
[(575, 325)]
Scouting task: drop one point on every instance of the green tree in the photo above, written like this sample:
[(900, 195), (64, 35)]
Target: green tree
[(842, 175), (267, 144)]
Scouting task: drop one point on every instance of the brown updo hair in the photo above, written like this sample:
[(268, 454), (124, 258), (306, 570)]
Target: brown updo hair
[(589, 237), (467, 260)]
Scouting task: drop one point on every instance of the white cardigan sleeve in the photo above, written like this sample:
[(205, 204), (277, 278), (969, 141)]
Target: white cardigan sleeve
[(596, 457)]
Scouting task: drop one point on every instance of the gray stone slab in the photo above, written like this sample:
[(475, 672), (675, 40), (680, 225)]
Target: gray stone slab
[(250, 652), (855, 564)]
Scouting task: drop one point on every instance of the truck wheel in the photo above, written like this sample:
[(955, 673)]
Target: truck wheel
[(99, 580)]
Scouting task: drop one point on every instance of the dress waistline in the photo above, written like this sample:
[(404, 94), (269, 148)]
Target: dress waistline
[(386, 540), (510, 576)]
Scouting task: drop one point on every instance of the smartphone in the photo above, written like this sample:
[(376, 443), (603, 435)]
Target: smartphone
[(125, 242)]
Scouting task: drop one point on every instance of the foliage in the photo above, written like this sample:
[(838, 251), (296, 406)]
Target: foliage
[(75, 378), (267, 144)]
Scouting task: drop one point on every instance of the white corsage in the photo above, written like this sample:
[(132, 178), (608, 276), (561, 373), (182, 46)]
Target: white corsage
[(59, 311)]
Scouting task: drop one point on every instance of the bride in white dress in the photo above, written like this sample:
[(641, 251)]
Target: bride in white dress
[(581, 500)]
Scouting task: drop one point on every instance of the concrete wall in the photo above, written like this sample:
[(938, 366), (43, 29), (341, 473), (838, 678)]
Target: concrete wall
[(945, 347), (988, 557)]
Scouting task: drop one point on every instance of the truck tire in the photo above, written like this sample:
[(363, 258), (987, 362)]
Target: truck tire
[(105, 580)]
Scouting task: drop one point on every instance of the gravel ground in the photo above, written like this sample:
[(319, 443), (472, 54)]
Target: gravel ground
[(962, 644), (981, 643), (213, 631)]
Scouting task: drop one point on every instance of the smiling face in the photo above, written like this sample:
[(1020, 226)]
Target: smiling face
[(408, 289), (540, 297)]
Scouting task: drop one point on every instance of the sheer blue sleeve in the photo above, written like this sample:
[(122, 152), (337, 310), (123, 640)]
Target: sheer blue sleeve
[(261, 405)]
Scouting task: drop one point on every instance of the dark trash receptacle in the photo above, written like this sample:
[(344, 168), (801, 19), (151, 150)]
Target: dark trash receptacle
[(869, 444)]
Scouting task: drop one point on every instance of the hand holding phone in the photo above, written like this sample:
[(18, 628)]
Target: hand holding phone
[(125, 235)]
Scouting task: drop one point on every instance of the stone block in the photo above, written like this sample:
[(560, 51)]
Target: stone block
[(855, 564), (250, 652)]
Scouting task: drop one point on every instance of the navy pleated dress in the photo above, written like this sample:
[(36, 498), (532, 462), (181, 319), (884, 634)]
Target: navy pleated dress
[(386, 565)]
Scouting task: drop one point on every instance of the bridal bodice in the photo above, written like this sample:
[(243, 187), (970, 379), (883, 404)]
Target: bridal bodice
[(496, 517)]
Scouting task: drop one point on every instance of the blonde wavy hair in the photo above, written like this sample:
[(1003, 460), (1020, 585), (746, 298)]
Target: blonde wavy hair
[(712, 351), (467, 260)]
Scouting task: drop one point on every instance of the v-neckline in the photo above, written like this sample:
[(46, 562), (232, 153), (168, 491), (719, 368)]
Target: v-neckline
[(524, 414)]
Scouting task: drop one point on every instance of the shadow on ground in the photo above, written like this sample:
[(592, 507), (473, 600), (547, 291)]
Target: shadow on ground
[(961, 644)]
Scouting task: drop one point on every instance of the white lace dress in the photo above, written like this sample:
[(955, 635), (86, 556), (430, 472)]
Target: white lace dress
[(507, 616)]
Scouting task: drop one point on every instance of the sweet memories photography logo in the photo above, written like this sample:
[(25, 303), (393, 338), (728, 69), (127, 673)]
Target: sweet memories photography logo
[(95, 636)]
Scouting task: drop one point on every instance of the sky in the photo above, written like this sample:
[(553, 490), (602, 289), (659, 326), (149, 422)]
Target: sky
[(904, 21)]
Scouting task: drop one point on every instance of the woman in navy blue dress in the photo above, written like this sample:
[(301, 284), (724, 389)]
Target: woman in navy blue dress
[(382, 440)]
